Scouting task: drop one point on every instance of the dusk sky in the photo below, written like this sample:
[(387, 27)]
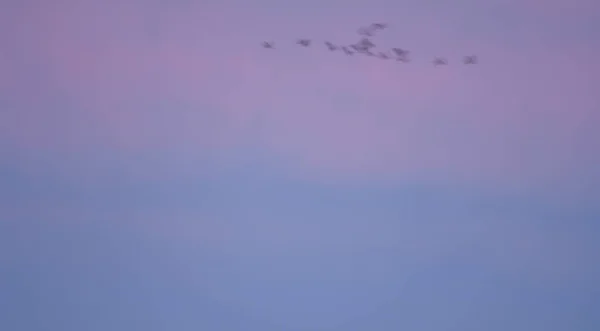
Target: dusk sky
[(160, 170)]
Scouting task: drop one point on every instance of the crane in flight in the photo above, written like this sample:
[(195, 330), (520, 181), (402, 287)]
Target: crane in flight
[(331, 46), (438, 61), (347, 51), (366, 43), (471, 59), (366, 32), (401, 54), (268, 45), (371, 29), (383, 56), (303, 42), (379, 26), (367, 47)]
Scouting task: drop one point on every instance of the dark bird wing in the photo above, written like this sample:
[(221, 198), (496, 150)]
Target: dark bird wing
[(400, 51), (470, 59), (439, 61), (379, 26), (366, 42), (347, 51), (365, 32), (304, 42), (401, 54)]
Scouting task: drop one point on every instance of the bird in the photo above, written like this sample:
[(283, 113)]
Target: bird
[(439, 61), (379, 26), (383, 56), (367, 32), (330, 46), (471, 59), (366, 42), (359, 49), (401, 54), (267, 45), (303, 42), (366, 46), (370, 31), (400, 51), (363, 46)]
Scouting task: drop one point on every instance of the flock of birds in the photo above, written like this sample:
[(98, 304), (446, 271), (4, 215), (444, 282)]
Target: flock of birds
[(366, 46)]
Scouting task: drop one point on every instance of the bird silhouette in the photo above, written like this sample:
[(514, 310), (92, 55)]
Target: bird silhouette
[(303, 42), (367, 32), (366, 46), (330, 46), (471, 59), (268, 45), (379, 26), (401, 54), (439, 61), (347, 51), (383, 56)]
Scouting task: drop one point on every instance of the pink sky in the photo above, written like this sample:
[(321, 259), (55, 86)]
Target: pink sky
[(519, 113)]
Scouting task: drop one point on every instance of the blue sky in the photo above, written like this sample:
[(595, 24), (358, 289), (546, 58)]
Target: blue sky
[(249, 248)]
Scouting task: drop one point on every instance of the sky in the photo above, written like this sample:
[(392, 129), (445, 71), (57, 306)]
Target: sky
[(159, 170)]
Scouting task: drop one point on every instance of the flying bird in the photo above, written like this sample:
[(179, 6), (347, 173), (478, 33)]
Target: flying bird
[(400, 51), (363, 46), (331, 46), (360, 49), (303, 42), (356, 48), (367, 32), (346, 50), (383, 56), (439, 61), (370, 31), (366, 42), (401, 54), (472, 59), (366, 46), (379, 26)]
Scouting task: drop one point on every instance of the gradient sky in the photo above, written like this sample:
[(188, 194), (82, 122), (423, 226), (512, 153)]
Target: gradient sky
[(159, 170)]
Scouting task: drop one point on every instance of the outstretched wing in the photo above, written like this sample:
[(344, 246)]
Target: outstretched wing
[(304, 42), (401, 54), (379, 26), (366, 42), (439, 61), (346, 50), (400, 51), (367, 32), (470, 59)]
